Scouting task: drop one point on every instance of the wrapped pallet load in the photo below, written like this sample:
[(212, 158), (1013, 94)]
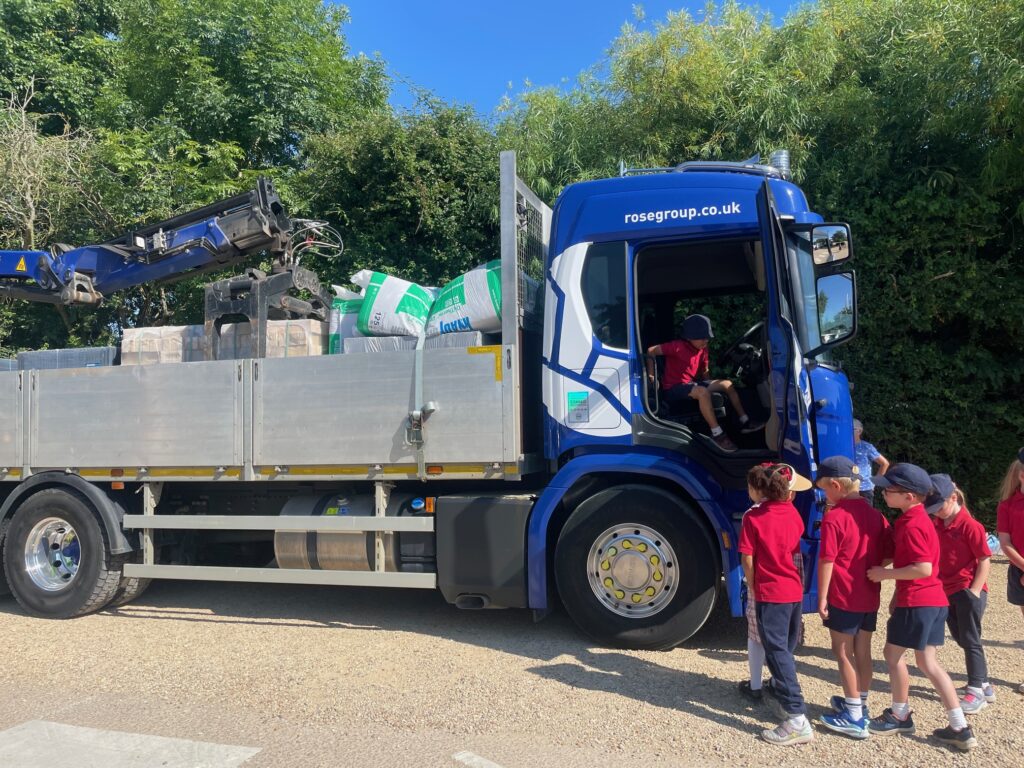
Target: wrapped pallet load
[(470, 302), (391, 306), (344, 318), (163, 344), (285, 338)]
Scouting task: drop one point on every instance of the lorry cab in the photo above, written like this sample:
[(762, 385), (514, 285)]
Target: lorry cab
[(630, 258)]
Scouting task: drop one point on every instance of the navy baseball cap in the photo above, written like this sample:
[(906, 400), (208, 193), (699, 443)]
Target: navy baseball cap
[(838, 466), (903, 475), (943, 487), (697, 327), (1020, 455)]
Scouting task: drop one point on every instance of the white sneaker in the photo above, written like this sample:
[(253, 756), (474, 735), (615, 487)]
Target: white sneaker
[(971, 704), (988, 690), (786, 735)]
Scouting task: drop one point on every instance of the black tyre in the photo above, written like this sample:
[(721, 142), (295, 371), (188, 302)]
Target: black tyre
[(56, 556), (636, 568), (129, 587), (4, 589)]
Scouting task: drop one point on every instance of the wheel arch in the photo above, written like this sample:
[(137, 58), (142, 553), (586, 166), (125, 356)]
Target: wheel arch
[(585, 476), (111, 510)]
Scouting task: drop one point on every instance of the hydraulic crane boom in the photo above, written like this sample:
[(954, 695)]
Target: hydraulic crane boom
[(210, 238)]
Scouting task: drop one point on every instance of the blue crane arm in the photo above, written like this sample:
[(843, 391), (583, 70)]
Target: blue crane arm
[(210, 238)]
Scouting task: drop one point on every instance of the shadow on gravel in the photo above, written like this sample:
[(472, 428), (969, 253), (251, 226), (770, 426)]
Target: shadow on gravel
[(696, 694), (420, 611), (329, 609)]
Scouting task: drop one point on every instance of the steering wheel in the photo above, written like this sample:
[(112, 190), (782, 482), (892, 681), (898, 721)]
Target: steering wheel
[(744, 357)]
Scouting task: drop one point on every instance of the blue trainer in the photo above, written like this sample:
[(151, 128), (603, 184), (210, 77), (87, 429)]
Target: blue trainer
[(843, 723), (888, 723), (839, 706)]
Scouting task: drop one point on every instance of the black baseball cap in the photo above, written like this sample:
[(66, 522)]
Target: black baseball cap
[(1020, 455), (943, 487), (838, 466), (697, 327), (903, 475)]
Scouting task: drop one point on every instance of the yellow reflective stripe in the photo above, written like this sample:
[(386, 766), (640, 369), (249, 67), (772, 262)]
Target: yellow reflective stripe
[(135, 473), (489, 350), (390, 469)]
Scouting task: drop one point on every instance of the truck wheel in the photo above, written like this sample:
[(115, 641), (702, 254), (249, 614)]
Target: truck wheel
[(635, 568), (4, 589), (129, 587), (56, 556)]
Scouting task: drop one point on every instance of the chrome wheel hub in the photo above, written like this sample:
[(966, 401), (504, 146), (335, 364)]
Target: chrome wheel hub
[(632, 569), (52, 554)]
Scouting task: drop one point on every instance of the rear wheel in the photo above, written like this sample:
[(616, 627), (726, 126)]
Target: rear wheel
[(4, 589), (636, 568), (129, 587), (56, 557)]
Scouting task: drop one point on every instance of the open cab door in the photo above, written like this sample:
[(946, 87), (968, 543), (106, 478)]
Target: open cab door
[(790, 424)]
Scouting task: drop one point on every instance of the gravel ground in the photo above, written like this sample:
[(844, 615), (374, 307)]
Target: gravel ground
[(337, 677)]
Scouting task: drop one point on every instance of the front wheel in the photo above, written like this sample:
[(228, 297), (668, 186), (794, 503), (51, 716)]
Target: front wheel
[(636, 568), (56, 557)]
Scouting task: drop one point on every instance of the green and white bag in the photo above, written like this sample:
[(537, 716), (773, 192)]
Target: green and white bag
[(344, 316), (470, 302), (391, 306)]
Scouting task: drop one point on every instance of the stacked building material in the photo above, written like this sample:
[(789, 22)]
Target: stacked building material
[(167, 344)]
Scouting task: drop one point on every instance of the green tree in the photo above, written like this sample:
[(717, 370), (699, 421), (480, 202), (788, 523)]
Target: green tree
[(62, 50), (259, 73), (413, 195)]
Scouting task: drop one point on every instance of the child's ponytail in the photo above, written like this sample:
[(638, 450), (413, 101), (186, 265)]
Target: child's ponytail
[(771, 480)]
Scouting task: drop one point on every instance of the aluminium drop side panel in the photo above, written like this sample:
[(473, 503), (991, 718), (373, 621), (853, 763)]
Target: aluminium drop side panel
[(331, 409), (11, 431), (171, 415), (353, 409), (468, 425)]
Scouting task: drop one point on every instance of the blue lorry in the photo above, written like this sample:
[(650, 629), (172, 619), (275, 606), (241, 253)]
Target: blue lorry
[(519, 471)]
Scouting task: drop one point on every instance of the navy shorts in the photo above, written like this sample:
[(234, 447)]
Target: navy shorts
[(917, 627), (1014, 589), (851, 622), (681, 391)]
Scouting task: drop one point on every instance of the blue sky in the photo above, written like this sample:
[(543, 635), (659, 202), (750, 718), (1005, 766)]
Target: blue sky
[(469, 51)]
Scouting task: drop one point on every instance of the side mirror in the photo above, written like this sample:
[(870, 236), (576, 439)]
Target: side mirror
[(837, 309), (830, 243)]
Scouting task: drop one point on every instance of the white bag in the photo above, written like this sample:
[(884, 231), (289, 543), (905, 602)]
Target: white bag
[(344, 316), (470, 302), (391, 306)]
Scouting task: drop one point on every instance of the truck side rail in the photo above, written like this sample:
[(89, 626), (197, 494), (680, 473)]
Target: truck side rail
[(378, 525)]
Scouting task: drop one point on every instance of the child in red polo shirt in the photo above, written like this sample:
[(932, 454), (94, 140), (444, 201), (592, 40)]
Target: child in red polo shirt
[(1010, 527), (918, 610), (687, 376), (854, 536), (769, 542), (964, 564)]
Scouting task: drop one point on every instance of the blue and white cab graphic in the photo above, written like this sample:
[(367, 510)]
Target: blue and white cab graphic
[(586, 383)]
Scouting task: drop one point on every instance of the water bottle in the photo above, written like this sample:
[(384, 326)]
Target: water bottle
[(993, 544)]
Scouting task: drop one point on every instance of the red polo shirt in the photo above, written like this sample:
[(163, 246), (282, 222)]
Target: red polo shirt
[(1010, 519), (771, 533), (915, 541), (684, 363), (961, 544), (853, 536)]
